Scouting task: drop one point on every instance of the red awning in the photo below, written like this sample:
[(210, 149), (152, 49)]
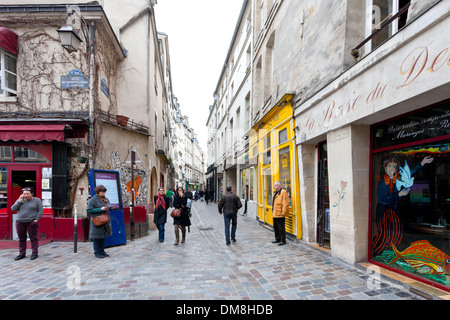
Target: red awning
[(8, 40), (46, 132)]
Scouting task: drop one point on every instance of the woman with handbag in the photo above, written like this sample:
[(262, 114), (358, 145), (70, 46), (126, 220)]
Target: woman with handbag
[(180, 216), (100, 225), (162, 203)]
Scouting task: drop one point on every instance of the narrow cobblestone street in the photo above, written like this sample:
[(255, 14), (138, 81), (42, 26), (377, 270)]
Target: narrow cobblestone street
[(203, 268)]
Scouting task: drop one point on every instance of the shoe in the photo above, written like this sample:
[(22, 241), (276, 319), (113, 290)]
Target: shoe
[(228, 243), (99, 255), (33, 257), (19, 257), (275, 241), (281, 243), (105, 254), (233, 239)]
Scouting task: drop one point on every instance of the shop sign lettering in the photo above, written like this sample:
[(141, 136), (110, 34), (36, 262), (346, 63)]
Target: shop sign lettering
[(414, 128), (414, 66)]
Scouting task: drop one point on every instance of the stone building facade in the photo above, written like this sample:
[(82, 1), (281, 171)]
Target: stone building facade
[(79, 96), (361, 90)]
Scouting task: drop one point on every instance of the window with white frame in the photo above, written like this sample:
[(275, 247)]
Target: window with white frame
[(378, 12), (8, 74)]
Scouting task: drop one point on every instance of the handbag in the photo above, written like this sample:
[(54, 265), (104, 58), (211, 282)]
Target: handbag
[(100, 219), (176, 213)]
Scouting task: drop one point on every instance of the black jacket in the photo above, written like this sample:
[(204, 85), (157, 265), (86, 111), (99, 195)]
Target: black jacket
[(180, 203), (230, 203)]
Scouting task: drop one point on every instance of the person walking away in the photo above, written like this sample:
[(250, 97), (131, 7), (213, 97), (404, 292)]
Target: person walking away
[(169, 195), (280, 209), (229, 206), (162, 203), (29, 212), (246, 200), (97, 205), (180, 202), (206, 196), (188, 194)]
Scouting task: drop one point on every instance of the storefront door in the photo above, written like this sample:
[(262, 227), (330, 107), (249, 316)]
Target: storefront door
[(25, 177), (267, 201), (323, 199)]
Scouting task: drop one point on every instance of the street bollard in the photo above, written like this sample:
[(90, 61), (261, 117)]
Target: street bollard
[(75, 231)]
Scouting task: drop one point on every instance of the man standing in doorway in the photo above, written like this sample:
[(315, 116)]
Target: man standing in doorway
[(29, 212), (229, 206), (280, 209)]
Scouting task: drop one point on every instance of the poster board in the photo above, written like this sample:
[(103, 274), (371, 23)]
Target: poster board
[(111, 181)]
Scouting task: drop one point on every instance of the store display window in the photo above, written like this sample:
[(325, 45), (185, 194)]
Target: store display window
[(410, 197)]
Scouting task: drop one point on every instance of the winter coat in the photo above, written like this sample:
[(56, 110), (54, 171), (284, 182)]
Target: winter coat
[(281, 202), (180, 203), (94, 209), (230, 203), (160, 214)]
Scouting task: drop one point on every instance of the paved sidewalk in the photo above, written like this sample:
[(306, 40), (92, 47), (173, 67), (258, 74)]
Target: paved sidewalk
[(203, 268)]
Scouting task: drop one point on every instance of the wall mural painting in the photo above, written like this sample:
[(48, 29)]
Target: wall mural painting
[(411, 214), (140, 182)]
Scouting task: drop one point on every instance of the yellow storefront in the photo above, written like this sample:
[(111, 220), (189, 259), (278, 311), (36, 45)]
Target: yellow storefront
[(272, 145)]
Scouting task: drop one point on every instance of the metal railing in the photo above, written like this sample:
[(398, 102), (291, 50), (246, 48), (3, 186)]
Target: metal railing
[(384, 24)]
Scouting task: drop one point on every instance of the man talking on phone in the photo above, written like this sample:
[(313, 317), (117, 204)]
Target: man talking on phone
[(29, 212)]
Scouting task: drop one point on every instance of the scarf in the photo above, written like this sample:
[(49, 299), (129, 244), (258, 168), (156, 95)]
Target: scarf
[(390, 182), (276, 193), (161, 202), (103, 199)]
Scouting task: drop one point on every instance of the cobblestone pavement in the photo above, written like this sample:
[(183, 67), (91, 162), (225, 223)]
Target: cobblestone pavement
[(203, 268)]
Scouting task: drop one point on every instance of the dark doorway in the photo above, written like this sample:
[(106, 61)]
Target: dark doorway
[(323, 205)]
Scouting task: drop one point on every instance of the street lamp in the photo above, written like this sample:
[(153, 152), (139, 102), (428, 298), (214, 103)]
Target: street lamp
[(69, 38)]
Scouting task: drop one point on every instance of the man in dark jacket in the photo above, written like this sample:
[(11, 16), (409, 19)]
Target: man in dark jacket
[(229, 206)]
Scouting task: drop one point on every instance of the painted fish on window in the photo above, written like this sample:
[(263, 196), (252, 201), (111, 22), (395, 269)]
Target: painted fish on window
[(424, 258)]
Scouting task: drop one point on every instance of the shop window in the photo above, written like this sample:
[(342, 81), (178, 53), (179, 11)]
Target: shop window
[(47, 187), (267, 156), (3, 189), (25, 155), (5, 154), (20, 154), (8, 74), (410, 208), (285, 169), (282, 136), (269, 195)]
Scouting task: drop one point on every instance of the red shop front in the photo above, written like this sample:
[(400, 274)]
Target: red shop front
[(26, 154)]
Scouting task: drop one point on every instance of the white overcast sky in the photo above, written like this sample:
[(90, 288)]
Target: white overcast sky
[(200, 33)]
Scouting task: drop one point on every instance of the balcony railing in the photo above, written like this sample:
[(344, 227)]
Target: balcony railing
[(378, 29)]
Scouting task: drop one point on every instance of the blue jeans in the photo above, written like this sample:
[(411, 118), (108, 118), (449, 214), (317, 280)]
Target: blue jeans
[(230, 218), (161, 232)]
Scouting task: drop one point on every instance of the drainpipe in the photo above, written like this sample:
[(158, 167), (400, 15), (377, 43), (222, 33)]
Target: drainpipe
[(91, 93)]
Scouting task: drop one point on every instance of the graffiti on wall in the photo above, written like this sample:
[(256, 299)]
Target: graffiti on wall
[(140, 182)]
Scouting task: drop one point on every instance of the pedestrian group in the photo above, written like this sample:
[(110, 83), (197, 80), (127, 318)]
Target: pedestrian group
[(30, 209)]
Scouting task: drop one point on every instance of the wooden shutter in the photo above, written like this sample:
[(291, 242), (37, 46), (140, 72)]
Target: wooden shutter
[(59, 176)]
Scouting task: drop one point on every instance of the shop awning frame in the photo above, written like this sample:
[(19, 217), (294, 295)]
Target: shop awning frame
[(38, 133)]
